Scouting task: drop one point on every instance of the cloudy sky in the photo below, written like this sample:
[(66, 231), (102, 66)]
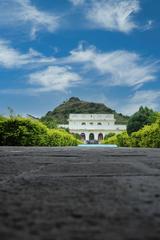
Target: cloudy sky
[(98, 50)]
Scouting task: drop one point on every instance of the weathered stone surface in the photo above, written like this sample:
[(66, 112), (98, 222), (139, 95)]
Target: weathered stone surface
[(79, 194)]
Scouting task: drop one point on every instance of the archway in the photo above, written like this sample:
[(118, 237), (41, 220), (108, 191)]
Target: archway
[(100, 137), (91, 136), (83, 136)]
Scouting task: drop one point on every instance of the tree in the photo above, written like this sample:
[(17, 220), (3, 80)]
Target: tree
[(111, 134), (138, 120), (49, 122)]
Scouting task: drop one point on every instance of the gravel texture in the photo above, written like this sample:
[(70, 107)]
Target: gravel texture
[(79, 193)]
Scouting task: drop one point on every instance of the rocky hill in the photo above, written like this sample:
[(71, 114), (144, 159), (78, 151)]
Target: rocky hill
[(74, 105)]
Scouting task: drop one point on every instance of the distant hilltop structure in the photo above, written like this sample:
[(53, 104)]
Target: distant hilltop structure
[(93, 126)]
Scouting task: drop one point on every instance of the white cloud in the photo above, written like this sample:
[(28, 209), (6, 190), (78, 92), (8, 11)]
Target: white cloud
[(18, 12), (114, 15), (106, 69), (117, 68), (11, 58), (111, 15), (54, 78), (149, 98), (77, 2)]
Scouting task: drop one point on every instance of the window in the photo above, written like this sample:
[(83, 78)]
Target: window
[(99, 123), (91, 123), (100, 137), (83, 123)]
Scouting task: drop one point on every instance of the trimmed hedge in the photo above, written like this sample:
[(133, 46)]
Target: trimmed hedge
[(147, 137), (18, 131), (109, 135), (111, 140), (61, 138)]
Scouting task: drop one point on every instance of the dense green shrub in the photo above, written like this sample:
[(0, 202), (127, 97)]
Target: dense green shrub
[(111, 140), (22, 132), (61, 138), (135, 139), (49, 122), (138, 120), (18, 131), (2, 118), (109, 135), (77, 136), (148, 136), (123, 139)]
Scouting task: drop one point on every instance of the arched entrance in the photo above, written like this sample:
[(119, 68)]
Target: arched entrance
[(83, 136), (100, 137), (91, 136)]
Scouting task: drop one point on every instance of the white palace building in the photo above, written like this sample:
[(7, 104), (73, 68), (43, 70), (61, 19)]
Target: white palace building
[(93, 126)]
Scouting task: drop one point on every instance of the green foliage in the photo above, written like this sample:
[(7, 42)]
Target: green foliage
[(111, 140), (49, 122), (144, 116), (22, 132), (61, 138), (77, 136), (123, 140), (74, 105), (2, 118), (16, 131), (147, 137), (109, 135)]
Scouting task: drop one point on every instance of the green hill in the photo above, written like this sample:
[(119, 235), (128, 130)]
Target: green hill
[(74, 105)]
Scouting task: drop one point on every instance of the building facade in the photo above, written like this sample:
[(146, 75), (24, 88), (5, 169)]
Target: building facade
[(93, 126)]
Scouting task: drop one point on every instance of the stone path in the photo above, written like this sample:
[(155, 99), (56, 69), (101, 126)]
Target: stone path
[(79, 194)]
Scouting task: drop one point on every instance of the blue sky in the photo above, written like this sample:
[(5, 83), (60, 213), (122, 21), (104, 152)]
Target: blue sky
[(98, 50)]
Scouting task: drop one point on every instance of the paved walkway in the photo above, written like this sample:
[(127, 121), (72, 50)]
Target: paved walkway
[(79, 194)]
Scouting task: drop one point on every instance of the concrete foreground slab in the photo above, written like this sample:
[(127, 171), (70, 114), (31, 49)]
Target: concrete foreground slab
[(79, 193)]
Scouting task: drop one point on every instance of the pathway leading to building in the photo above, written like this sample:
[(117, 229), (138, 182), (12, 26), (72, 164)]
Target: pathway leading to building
[(79, 194)]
